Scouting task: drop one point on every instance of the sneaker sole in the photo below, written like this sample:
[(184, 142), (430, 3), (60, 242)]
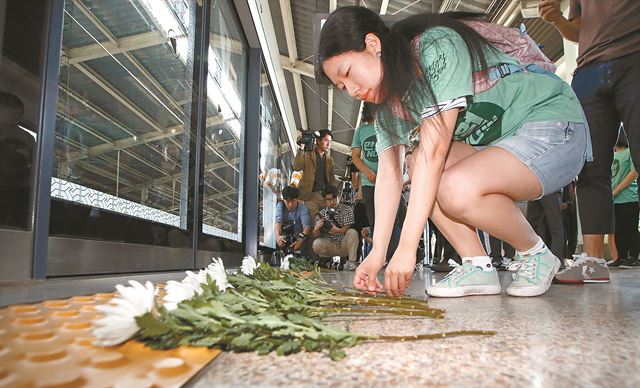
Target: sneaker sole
[(535, 290), (441, 292), (603, 280), (629, 266)]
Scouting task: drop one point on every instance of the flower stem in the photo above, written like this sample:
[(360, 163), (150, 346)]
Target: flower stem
[(418, 337)]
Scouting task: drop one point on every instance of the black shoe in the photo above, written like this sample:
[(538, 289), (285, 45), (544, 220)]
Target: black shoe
[(441, 265), (614, 263), (629, 263)]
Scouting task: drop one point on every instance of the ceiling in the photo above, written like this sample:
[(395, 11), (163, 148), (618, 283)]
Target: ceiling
[(124, 101), (318, 106)]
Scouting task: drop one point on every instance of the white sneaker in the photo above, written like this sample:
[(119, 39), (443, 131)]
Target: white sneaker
[(534, 273), (466, 279)]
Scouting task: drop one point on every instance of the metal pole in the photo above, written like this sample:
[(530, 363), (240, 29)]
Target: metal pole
[(118, 175)]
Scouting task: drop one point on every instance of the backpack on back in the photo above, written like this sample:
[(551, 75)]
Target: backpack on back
[(514, 42)]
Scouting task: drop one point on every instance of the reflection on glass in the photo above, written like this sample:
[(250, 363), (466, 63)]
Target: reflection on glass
[(124, 96), (275, 161), (21, 31), (226, 85)]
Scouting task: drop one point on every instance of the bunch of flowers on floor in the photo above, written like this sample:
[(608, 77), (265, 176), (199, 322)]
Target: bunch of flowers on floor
[(260, 309)]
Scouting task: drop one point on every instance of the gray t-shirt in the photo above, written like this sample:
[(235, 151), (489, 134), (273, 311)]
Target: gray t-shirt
[(609, 29)]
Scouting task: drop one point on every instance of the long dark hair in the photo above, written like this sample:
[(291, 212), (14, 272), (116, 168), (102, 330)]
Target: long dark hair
[(345, 31), (368, 112)]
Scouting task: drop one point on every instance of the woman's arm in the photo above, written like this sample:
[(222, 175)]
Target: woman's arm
[(428, 164), (631, 176), (356, 157), (387, 197)]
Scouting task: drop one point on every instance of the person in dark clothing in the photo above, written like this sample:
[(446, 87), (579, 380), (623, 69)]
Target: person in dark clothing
[(605, 81), (545, 217)]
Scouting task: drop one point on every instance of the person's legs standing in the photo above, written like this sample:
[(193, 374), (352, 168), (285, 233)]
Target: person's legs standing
[(593, 87), (627, 77), (627, 235), (535, 216), (368, 196), (626, 74), (553, 216)]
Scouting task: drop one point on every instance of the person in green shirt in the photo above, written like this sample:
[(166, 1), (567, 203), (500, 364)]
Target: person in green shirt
[(365, 158), (479, 149), (624, 185)]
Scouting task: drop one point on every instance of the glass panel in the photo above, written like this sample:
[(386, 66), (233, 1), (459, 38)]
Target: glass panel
[(21, 24), (124, 109), (226, 90), (275, 161)]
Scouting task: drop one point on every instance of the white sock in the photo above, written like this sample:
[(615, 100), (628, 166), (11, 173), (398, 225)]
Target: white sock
[(482, 262), (535, 249)]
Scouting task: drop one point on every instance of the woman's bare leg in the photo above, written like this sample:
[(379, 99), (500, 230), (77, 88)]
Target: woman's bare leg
[(461, 236), (480, 190)]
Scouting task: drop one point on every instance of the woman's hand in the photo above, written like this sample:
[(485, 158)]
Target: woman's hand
[(397, 276), (366, 277)]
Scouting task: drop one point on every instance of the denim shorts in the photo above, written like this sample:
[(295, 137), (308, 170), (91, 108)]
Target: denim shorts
[(554, 151)]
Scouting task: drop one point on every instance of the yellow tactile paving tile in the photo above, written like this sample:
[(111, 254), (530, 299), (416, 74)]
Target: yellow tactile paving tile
[(49, 344)]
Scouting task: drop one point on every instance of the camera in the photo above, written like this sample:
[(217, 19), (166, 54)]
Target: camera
[(289, 235), (329, 220), (308, 139), (346, 194)]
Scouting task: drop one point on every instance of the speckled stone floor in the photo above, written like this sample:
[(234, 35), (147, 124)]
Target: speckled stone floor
[(586, 336)]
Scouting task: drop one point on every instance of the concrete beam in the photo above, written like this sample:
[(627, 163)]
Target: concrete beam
[(287, 19)]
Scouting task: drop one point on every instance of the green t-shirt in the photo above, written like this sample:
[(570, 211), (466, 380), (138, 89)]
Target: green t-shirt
[(620, 168), (365, 139), (490, 115)]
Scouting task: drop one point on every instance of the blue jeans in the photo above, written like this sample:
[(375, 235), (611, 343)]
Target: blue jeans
[(554, 151), (609, 93)]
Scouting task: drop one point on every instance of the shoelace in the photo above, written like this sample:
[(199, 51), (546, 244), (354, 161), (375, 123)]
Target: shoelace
[(580, 260), (525, 269), (457, 271)]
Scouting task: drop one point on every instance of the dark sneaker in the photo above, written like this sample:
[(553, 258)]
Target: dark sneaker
[(501, 263), (585, 270), (629, 263), (614, 263), (350, 266), (443, 265)]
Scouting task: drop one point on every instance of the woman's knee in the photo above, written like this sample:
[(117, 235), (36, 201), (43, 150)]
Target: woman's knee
[(456, 193)]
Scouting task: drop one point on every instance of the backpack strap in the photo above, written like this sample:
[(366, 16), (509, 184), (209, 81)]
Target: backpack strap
[(505, 69)]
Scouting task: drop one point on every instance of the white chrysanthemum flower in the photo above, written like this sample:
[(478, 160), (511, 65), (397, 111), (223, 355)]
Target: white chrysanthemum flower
[(218, 274), (119, 322), (196, 280), (248, 265), (179, 291), (284, 264)]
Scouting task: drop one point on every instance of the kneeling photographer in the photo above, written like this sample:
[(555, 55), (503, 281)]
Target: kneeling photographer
[(293, 224), (332, 229)]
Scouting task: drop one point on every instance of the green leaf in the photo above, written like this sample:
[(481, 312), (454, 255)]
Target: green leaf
[(288, 347), (242, 342), (337, 354), (151, 327)]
